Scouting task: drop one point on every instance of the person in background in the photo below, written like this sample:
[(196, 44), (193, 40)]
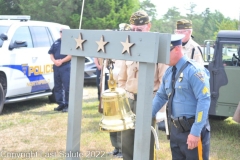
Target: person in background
[(186, 88), (99, 64), (61, 68), (128, 80), (115, 137), (190, 48)]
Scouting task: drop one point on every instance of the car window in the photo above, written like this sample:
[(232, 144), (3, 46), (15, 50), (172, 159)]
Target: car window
[(3, 29), (23, 34), (50, 36), (40, 36), (230, 54)]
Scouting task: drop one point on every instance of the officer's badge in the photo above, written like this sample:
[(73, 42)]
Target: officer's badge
[(200, 75), (205, 90), (180, 77)]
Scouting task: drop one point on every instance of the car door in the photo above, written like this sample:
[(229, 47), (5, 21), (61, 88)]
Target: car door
[(19, 60), (42, 70), (229, 95)]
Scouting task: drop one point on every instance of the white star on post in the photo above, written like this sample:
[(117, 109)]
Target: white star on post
[(80, 41), (101, 44), (127, 46)]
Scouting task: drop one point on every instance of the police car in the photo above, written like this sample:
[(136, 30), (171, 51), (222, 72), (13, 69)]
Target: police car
[(25, 67)]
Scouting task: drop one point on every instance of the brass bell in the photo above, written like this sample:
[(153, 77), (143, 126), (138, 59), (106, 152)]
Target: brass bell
[(117, 115)]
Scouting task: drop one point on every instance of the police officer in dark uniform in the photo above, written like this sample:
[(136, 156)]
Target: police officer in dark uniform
[(61, 70), (186, 88)]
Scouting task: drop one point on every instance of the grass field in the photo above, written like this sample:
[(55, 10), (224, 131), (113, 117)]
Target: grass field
[(32, 130)]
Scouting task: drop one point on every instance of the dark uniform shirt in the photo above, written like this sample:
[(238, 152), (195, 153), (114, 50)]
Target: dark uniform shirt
[(192, 96), (55, 50)]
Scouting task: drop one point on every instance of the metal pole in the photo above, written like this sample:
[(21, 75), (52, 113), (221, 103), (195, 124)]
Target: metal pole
[(80, 23)]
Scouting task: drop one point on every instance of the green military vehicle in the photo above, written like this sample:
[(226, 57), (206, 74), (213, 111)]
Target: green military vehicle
[(223, 63)]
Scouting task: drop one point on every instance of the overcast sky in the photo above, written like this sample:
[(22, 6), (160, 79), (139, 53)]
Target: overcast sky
[(229, 8)]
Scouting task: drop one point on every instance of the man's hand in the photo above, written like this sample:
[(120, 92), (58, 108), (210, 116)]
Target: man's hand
[(192, 141), (58, 62), (99, 67)]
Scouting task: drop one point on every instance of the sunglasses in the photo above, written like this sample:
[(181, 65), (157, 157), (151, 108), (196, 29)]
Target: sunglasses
[(171, 48), (139, 28)]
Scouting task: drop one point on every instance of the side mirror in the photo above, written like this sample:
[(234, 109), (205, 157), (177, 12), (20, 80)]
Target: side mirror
[(3, 37), (17, 44)]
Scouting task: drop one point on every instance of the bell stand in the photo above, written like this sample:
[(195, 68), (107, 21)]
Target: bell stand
[(149, 48)]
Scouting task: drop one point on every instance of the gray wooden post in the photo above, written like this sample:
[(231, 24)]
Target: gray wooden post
[(149, 48), (144, 113), (75, 105)]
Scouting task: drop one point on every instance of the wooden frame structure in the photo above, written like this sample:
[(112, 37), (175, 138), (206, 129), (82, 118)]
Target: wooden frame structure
[(148, 48)]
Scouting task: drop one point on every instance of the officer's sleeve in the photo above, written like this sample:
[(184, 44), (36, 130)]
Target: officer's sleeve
[(159, 100), (122, 76), (199, 82), (51, 50)]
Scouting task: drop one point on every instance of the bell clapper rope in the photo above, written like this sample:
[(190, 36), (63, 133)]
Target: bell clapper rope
[(155, 137)]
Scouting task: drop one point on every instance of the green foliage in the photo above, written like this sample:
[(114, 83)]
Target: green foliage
[(48, 10), (205, 25), (226, 24), (149, 7), (9, 7), (168, 23), (108, 14), (97, 14)]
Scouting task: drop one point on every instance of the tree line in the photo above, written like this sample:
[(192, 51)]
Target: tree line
[(108, 14)]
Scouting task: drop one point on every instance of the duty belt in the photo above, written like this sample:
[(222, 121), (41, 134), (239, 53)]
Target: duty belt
[(183, 124)]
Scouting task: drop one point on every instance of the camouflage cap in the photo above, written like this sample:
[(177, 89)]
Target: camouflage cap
[(184, 24), (139, 18)]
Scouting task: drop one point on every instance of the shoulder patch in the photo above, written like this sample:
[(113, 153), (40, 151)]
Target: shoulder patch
[(205, 90), (200, 75)]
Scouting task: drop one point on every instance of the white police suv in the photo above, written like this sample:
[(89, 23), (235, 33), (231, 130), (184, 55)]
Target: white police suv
[(25, 67)]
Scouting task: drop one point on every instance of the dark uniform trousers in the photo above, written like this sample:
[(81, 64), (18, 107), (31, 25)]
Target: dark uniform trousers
[(180, 149), (98, 73), (128, 136), (115, 138), (98, 80), (61, 83)]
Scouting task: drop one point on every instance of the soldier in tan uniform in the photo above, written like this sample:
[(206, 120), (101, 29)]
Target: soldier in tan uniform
[(190, 47), (128, 80)]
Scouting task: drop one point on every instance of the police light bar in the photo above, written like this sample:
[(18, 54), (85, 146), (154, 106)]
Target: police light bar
[(15, 17)]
